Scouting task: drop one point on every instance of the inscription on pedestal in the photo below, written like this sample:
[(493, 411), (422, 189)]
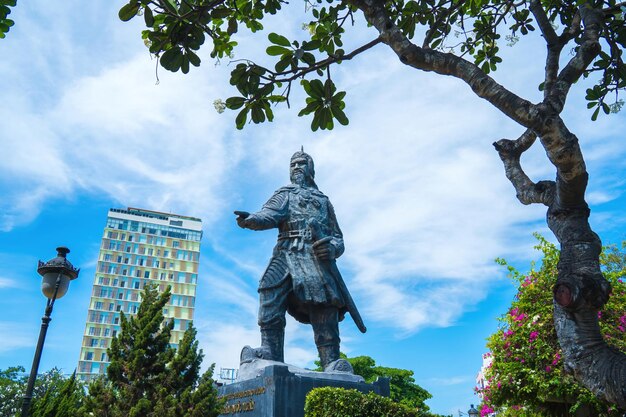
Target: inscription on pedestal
[(242, 401)]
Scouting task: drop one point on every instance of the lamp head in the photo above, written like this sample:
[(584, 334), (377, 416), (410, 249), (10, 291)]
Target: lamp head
[(60, 269)]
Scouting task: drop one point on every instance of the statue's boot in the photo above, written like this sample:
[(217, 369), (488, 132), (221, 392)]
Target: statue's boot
[(331, 361), (272, 347)]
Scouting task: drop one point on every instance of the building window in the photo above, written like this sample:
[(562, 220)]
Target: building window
[(118, 307), (136, 285), (92, 331), (103, 357), (88, 356), (114, 333)]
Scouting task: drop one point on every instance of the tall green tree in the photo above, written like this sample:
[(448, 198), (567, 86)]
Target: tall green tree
[(148, 378), (462, 39), (64, 402), (527, 375)]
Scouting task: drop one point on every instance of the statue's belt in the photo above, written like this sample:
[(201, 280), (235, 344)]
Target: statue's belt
[(295, 234)]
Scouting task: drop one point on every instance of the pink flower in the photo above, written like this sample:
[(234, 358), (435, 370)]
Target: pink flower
[(548, 369), (533, 336), (485, 410)]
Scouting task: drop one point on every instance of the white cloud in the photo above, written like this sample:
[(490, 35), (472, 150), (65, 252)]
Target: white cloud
[(418, 189), (20, 338), (8, 283)]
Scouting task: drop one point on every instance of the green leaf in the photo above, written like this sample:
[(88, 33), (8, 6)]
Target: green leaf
[(128, 11), (232, 26), (339, 115), (170, 5), (277, 39), (234, 103), (315, 124), (283, 64), (594, 116), (310, 108), (275, 50), (220, 13), (171, 59), (605, 108), (194, 59), (240, 120), (185, 64), (257, 115), (316, 89), (310, 46), (148, 16)]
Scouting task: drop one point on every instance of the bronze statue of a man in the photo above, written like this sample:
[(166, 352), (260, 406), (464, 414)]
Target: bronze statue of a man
[(302, 277)]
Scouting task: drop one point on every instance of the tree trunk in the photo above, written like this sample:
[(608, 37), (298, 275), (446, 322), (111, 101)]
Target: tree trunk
[(580, 290)]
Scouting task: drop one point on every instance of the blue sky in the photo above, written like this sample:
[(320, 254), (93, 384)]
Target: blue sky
[(419, 192)]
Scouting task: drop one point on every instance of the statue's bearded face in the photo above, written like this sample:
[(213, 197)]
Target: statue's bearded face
[(299, 171)]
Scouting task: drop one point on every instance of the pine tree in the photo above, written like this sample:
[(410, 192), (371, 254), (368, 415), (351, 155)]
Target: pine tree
[(63, 403), (148, 378)]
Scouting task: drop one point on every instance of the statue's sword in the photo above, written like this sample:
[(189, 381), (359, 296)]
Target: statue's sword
[(331, 265)]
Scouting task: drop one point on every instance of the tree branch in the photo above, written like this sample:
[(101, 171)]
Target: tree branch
[(589, 48), (518, 109), (528, 192), (300, 72), (544, 24)]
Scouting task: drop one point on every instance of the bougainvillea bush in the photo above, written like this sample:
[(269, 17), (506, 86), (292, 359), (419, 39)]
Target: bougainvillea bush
[(526, 376)]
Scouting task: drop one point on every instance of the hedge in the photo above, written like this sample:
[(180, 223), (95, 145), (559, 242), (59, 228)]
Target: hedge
[(339, 402)]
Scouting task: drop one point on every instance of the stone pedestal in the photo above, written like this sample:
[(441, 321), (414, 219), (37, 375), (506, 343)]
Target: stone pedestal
[(278, 390)]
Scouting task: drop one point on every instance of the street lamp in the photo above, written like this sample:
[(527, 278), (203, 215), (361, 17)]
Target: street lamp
[(56, 276)]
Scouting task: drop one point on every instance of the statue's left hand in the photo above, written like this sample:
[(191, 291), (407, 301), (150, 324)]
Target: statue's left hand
[(324, 249)]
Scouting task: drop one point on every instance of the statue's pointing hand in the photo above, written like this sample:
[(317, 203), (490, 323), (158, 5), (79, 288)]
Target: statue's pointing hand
[(324, 249), (241, 218)]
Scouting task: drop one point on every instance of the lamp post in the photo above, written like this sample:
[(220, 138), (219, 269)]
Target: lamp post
[(56, 276)]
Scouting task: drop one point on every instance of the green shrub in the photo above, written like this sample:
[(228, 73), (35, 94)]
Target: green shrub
[(339, 402)]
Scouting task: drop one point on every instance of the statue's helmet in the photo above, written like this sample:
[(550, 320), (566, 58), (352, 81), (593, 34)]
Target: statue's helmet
[(309, 161)]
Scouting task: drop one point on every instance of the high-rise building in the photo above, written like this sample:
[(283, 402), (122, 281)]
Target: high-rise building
[(138, 247)]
